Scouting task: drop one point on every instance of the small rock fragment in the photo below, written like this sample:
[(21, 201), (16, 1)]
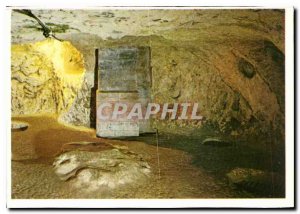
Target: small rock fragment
[(216, 142)]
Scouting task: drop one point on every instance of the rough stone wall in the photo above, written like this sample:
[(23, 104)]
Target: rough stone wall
[(33, 87), (46, 76), (79, 113), (229, 61)]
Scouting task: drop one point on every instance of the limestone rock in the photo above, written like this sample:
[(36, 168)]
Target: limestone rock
[(216, 142), (79, 114), (188, 63), (33, 82), (19, 126), (258, 181), (45, 77), (240, 175), (97, 169), (222, 91)]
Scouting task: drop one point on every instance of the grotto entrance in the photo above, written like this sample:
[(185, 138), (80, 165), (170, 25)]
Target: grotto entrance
[(122, 74)]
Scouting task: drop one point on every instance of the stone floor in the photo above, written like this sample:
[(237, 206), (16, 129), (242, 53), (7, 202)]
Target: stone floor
[(33, 176)]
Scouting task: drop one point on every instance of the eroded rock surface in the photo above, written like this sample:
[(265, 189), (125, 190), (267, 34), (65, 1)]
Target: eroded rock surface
[(211, 74), (232, 65), (45, 78), (259, 181), (19, 126), (95, 169), (79, 113)]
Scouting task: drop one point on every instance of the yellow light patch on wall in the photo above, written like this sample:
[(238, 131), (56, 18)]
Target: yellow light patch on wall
[(46, 76), (67, 60)]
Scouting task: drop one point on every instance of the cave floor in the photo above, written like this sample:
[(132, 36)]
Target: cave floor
[(34, 150)]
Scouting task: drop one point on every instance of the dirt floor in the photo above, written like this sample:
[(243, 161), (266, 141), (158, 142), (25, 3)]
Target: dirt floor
[(173, 176)]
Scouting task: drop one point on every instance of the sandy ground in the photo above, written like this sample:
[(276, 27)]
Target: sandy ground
[(33, 152)]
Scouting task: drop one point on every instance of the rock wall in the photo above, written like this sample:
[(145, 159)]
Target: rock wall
[(46, 76), (229, 61)]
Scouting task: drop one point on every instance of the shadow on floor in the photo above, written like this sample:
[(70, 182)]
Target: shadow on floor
[(220, 160)]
